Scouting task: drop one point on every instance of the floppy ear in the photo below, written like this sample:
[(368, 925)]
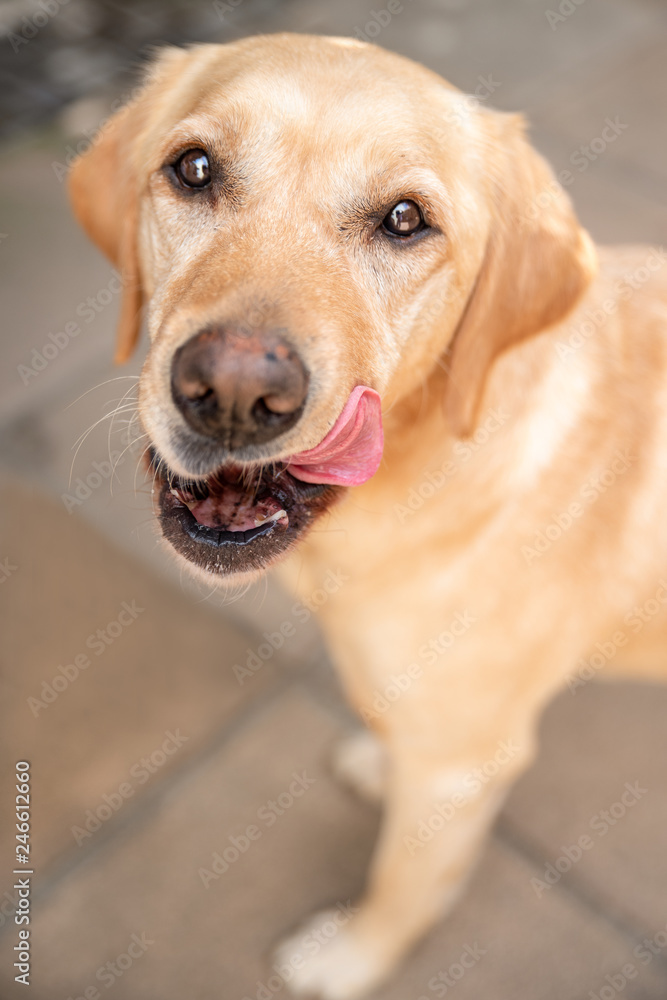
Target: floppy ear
[(104, 184), (537, 264), (103, 192)]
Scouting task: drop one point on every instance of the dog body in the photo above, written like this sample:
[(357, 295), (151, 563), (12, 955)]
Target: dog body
[(516, 520), (573, 444)]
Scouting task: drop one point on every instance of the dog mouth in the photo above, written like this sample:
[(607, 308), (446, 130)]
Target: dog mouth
[(242, 518), (238, 519)]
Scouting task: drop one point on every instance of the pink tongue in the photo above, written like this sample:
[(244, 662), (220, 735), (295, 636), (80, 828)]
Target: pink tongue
[(351, 452)]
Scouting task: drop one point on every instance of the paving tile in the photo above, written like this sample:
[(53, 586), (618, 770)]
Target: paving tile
[(212, 942), (612, 202), (547, 949), (514, 43), (169, 668), (596, 744), (631, 94), (48, 272)]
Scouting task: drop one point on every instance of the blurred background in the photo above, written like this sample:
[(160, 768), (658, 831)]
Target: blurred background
[(153, 747)]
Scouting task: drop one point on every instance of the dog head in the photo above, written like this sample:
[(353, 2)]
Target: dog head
[(315, 225)]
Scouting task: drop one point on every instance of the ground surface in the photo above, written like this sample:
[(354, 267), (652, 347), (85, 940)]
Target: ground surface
[(159, 713)]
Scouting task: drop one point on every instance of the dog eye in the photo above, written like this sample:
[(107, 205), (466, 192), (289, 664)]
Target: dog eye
[(405, 219), (193, 169)]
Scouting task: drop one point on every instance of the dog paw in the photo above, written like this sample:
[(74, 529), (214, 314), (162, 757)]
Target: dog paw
[(326, 961), (360, 762)]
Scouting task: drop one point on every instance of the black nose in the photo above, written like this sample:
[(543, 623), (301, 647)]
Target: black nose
[(239, 388)]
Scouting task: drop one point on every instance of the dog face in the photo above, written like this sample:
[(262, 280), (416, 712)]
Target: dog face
[(304, 216)]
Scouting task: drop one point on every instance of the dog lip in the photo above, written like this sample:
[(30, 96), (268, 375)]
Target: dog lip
[(202, 533), (215, 546), (203, 456)]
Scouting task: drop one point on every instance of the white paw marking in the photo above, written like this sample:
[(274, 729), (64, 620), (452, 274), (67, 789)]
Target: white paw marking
[(360, 762), (326, 961)]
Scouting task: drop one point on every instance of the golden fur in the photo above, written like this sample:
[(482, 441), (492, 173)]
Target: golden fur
[(522, 492)]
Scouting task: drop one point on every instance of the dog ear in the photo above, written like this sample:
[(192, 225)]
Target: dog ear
[(104, 188), (537, 264)]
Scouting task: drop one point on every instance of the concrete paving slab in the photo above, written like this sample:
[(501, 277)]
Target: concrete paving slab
[(238, 851), (601, 777), (264, 804), (100, 663), (615, 118)]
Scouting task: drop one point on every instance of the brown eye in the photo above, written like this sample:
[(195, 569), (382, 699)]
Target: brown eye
[(193, 169), (404, 219)]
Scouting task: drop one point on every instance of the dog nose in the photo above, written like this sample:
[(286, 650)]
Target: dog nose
[(237, 387)]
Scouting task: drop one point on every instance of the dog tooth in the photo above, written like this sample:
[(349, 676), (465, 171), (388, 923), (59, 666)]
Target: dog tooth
[(187, 503), (274, 517)]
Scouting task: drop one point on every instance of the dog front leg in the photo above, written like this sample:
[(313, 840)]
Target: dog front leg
[(435, 821)]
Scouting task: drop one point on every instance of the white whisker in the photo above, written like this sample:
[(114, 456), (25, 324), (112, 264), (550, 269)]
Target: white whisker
[(81, 440), (99, 386)]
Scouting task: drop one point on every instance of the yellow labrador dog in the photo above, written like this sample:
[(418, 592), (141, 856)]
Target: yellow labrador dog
[(381, 344)]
